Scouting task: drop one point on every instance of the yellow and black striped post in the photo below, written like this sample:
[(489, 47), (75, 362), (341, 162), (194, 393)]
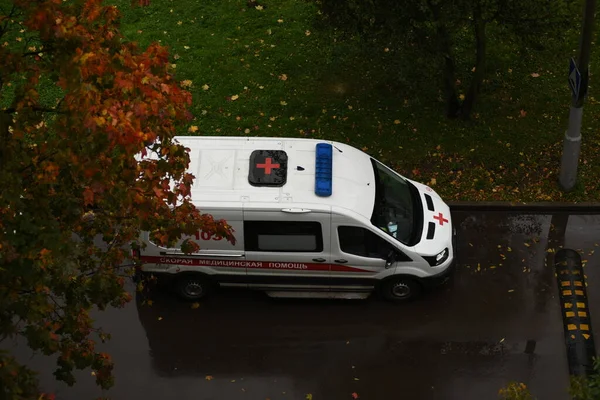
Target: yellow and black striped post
[(576, 316)]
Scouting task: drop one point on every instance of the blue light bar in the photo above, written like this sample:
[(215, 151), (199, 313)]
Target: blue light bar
[(324, 169)]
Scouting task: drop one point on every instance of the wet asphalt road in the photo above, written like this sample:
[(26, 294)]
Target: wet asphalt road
[(496, 321)]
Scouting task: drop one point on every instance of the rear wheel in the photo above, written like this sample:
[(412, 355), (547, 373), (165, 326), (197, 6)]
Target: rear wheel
[(400, 289), (193, 287)]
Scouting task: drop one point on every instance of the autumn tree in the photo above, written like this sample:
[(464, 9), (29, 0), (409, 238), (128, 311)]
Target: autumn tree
[(77, 104), (439, 27)]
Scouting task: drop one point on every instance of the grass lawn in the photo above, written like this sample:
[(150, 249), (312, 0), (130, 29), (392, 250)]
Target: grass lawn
[(283, 71)]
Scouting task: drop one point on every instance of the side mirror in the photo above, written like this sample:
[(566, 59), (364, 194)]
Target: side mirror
[(390, 259)]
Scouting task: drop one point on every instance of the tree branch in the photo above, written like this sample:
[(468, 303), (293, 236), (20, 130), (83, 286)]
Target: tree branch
[(44, 158), (34, 53), (12, 110), (4, 28)]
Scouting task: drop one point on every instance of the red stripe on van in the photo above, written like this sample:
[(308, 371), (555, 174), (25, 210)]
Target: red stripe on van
[(281, 265)]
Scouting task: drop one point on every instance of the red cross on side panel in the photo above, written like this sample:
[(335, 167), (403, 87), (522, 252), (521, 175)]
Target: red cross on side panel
[(440, 218), (268, 166)]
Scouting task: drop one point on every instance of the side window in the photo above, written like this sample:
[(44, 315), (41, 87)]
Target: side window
[(362, 242), (288, 236)]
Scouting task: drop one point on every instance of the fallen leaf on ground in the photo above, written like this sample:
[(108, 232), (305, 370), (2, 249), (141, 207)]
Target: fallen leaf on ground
[(195, 305), (535, 74), (511, 290), (309, 397), (355, 395), (209, 377)]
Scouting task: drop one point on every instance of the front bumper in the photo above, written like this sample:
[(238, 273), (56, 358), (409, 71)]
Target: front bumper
[(444, 276)]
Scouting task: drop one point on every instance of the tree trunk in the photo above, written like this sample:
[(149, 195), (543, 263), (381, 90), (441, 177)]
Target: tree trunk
[(480, 46), (453, 108), (5, 122), (449, 71)]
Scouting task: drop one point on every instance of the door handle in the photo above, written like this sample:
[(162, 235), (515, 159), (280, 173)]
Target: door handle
[(341, 261), (319, 259)]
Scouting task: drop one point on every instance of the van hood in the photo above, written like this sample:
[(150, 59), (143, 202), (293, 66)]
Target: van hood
[(437, 222)]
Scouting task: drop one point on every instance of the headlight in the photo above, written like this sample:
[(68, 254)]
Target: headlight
[(438, 258)]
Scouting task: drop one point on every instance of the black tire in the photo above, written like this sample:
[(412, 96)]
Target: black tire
[(400, 289), (193, 287)]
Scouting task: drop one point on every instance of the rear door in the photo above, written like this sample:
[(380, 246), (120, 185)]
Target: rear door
[(287, 250), (217, 257)]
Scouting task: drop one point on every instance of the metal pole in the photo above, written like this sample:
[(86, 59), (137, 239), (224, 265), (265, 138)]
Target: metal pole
[(572, 139)]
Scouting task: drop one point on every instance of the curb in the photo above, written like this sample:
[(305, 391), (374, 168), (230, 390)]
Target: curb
[(537, 207)]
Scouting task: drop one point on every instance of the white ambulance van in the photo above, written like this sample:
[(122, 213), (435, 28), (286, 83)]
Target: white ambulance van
[(312, 218)]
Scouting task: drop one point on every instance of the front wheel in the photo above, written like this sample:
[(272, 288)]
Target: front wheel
[(400, 289), (193, 287)]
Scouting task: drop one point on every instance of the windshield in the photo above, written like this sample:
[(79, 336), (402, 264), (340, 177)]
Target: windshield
[(394, 209)]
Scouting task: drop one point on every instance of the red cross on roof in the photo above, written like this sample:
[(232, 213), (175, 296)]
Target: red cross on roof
[(268, 166)]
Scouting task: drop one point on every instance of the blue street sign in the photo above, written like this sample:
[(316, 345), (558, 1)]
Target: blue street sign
[(574, 79)]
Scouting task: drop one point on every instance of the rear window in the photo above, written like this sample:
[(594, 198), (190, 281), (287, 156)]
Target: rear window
[(289, 236)]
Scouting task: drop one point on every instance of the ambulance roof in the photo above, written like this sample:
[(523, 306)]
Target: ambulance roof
[(224, 168)]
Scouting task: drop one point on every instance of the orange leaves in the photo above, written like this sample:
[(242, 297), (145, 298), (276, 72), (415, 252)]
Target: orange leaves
[(85, 57), (158, 192), (88, 197), (100, 121), (50, 172), (124, 83), (118, 100)]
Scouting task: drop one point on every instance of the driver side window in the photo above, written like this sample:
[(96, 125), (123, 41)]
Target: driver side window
[(364, 243)]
